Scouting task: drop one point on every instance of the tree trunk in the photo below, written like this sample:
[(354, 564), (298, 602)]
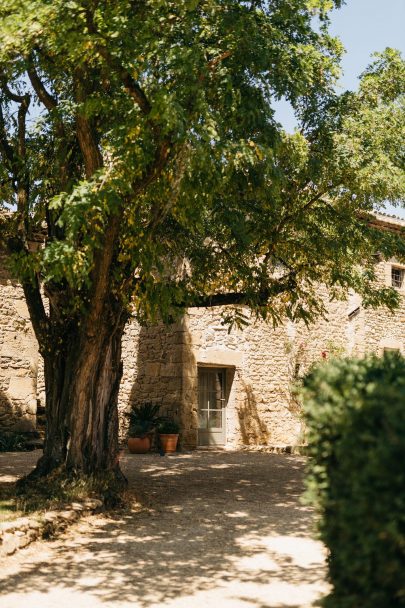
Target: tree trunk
[(82, 380)]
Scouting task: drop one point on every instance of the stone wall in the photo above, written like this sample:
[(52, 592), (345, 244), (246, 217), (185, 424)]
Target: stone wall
[(383, 332), (153, 368), (18, 357), (161, 363)]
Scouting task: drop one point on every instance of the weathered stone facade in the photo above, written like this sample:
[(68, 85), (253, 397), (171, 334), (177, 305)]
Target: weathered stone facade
[(18, 357), (161, 364)]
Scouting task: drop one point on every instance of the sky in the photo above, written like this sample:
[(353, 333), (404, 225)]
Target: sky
[(364, 27)]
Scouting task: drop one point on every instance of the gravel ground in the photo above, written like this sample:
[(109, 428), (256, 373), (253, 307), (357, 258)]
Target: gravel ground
[(213, 530)]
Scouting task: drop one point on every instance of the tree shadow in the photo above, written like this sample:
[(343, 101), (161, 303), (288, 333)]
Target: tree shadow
[(252, 428), (166, 373), (17, 355), (217, 528), (16, 464)]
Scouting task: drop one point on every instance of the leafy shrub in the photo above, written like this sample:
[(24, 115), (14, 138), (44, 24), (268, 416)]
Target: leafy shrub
[(140, 429), (143, 418), (12, 442), (168, 426), (355, 413), (61, 487)]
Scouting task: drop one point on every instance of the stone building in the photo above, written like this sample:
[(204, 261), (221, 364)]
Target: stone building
[(227, 389)]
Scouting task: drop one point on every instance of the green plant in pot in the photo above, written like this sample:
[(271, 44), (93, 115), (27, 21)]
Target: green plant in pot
[(168, 430), (143, 419)]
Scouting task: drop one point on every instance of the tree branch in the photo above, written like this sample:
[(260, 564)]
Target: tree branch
[(7, 91), (130, 84), (308, 204), (8, 151), (155, 169), (51, 104), (43, 95), (16, 157), (37, 312), (214, 62), (135, 91), (85, 134), (22, 174), (286, 283)]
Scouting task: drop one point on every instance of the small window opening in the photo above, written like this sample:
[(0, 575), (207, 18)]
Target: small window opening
[(397, 277)]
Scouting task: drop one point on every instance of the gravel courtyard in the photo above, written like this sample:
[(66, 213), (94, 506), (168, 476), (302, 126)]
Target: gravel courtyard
[(213, 529)]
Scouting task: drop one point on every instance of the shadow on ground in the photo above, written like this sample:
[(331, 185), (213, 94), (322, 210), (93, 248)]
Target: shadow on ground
[(215, 529)]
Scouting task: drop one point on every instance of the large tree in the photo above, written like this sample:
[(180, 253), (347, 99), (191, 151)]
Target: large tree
[(139, 138)]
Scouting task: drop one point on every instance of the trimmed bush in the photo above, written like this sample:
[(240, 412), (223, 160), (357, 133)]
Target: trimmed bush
[(355, 414)]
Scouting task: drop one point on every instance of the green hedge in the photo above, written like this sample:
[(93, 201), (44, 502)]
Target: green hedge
[(355, 415)]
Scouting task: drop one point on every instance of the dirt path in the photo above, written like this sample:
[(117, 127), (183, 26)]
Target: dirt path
[(219, 530)]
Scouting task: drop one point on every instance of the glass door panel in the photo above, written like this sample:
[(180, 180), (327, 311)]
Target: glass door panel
[(211, 405)]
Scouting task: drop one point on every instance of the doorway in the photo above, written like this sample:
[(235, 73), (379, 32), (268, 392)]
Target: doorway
[(211, 406)]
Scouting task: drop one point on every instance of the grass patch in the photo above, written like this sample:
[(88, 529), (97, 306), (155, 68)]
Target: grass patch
[(61, 487), (9, 509), (57, 490)]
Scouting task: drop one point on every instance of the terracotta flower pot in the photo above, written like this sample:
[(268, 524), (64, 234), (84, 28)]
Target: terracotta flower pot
[(168, 442), (139, 445)]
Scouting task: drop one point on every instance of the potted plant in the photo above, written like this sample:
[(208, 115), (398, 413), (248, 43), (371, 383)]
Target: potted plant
[(143, 419), (139, 440), (168, 430)]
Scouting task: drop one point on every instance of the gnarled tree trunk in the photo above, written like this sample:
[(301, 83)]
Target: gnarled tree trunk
[(82, 378)]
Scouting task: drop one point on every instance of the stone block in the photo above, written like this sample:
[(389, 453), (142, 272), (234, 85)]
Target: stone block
[(92, 503), (24, 425), (21, 388), (21, 309), (32, 407), (226, 358), (68, 515), (170, 370), (10, 543), (11, 348), (152, 369), (51, 517)]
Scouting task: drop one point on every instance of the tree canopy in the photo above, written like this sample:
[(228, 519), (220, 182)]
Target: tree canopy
[(160, 113), (140, 137)]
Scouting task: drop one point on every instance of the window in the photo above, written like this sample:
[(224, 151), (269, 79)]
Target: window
[(397, 277)]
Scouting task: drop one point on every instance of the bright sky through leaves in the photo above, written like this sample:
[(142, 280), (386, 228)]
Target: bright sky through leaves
[(364, 27)]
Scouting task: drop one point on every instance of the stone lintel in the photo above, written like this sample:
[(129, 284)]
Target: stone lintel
[(221, 358)]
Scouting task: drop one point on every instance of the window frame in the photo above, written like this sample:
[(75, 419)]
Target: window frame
[(398, 284)]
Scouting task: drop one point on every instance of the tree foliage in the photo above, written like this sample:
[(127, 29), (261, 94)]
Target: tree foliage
[(160, 113)]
